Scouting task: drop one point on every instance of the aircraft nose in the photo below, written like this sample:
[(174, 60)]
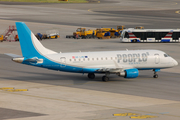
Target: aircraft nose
[(175, 62)]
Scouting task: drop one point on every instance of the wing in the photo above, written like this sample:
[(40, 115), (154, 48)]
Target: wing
[(115, 68)]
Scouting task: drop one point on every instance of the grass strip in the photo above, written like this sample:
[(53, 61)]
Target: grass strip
[(48, 1)]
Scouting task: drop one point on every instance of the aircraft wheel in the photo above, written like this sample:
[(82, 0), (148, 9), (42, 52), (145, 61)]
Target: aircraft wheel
[(91, 75), (134, 41), (155, 76), (105, 78)]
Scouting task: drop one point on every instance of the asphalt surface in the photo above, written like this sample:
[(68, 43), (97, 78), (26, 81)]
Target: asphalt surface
[(59, 95), (165, 87)]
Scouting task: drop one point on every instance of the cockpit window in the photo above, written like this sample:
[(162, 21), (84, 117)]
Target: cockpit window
[(166, 55), (126, 35)]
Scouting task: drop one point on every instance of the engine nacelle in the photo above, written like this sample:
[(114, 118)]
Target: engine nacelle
[(130, 73)]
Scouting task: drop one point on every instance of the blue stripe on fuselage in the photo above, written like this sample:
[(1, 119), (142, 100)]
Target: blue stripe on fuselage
[(57, 66)]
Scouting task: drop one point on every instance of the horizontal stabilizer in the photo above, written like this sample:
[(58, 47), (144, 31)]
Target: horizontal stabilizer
[(13, 55)]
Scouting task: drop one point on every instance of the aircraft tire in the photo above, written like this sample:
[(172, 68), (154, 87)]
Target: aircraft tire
[(91, 75), (155, 76), (134, 41), (105, 78)]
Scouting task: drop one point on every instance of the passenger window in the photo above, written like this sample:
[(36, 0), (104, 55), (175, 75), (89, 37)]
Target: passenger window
[(69, 59), (150, 34), (137, 34), (92, 58), (97, 58), (101, 58)]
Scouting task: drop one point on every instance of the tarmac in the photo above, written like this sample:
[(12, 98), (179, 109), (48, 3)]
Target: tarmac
[(59, 95)]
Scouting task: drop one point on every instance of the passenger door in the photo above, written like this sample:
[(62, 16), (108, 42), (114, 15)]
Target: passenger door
[(157, 59)]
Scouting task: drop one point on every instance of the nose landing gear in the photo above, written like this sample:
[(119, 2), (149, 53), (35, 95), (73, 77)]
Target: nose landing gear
[(155, 73)]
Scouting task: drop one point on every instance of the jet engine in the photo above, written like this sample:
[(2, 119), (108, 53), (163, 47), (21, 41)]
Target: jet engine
[(129, 73)]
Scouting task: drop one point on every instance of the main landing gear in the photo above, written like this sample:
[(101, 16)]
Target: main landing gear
[(104, 78), (91, 75)]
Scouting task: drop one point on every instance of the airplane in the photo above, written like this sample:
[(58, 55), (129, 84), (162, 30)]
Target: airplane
[(126, 63)]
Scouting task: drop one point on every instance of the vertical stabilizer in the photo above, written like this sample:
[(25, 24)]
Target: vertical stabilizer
[(30, 45)]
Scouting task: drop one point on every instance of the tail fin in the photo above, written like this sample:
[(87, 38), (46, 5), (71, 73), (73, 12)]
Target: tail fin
[(30, 45)]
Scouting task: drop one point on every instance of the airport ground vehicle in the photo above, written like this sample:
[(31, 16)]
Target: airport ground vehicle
[(139, 27), (126, 63), (51, 34), (88, 34), (106, 33), (82, 33), (100, 33), (1, 38), (103, 33), (116, 33), (150, 35), (41, 36), (77, 34)]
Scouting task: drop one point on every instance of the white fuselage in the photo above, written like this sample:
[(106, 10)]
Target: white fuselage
[(140, 59)]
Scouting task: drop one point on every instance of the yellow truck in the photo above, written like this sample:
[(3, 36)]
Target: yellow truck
[(88, 34), (82, 33), (79, 31), (1, 38), (116, 33), (103, 33), (139, 27), (77, 34)]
